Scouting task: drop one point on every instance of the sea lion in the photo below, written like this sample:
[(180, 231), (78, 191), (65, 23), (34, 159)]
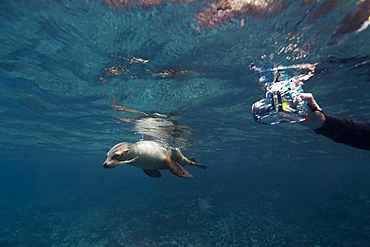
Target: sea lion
[(150, 156)]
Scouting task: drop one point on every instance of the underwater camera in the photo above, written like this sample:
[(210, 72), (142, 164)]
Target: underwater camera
[(282, 103)]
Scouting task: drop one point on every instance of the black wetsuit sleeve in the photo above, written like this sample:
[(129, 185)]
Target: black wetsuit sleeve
[(349, 132)]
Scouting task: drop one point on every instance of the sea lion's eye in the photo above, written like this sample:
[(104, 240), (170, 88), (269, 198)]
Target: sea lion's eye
[(116, 156)]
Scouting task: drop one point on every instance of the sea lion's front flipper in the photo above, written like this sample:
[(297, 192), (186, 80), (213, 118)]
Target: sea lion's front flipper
[(177, 169), (153, 173)]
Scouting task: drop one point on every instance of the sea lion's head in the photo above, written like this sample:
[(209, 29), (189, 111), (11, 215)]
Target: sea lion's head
[(119, 154)]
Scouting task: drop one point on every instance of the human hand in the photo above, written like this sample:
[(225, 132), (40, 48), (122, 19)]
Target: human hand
[(315, 117)]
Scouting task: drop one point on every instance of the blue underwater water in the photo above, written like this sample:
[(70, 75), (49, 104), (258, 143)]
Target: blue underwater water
[(70, 90)]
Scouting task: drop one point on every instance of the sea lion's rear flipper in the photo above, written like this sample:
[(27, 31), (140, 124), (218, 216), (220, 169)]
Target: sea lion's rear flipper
[(177, 169), (194, 163), (152, 173)]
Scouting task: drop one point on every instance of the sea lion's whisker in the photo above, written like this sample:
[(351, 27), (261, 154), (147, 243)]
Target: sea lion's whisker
[(131, 160)]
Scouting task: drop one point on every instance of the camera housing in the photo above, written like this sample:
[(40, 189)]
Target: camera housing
[(282, 103)]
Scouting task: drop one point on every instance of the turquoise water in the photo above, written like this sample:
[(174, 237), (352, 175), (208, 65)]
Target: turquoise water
[(279, 185)]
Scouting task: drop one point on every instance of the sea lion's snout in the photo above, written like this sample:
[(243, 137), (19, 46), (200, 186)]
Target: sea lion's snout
[(109, 164)]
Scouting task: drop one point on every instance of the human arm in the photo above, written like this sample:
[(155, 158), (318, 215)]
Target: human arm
[(341, 130)]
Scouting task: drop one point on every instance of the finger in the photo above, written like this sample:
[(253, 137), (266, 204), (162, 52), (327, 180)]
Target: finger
[(308, 97)]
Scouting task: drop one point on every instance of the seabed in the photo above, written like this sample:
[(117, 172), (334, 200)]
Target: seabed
[(266, 219)]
